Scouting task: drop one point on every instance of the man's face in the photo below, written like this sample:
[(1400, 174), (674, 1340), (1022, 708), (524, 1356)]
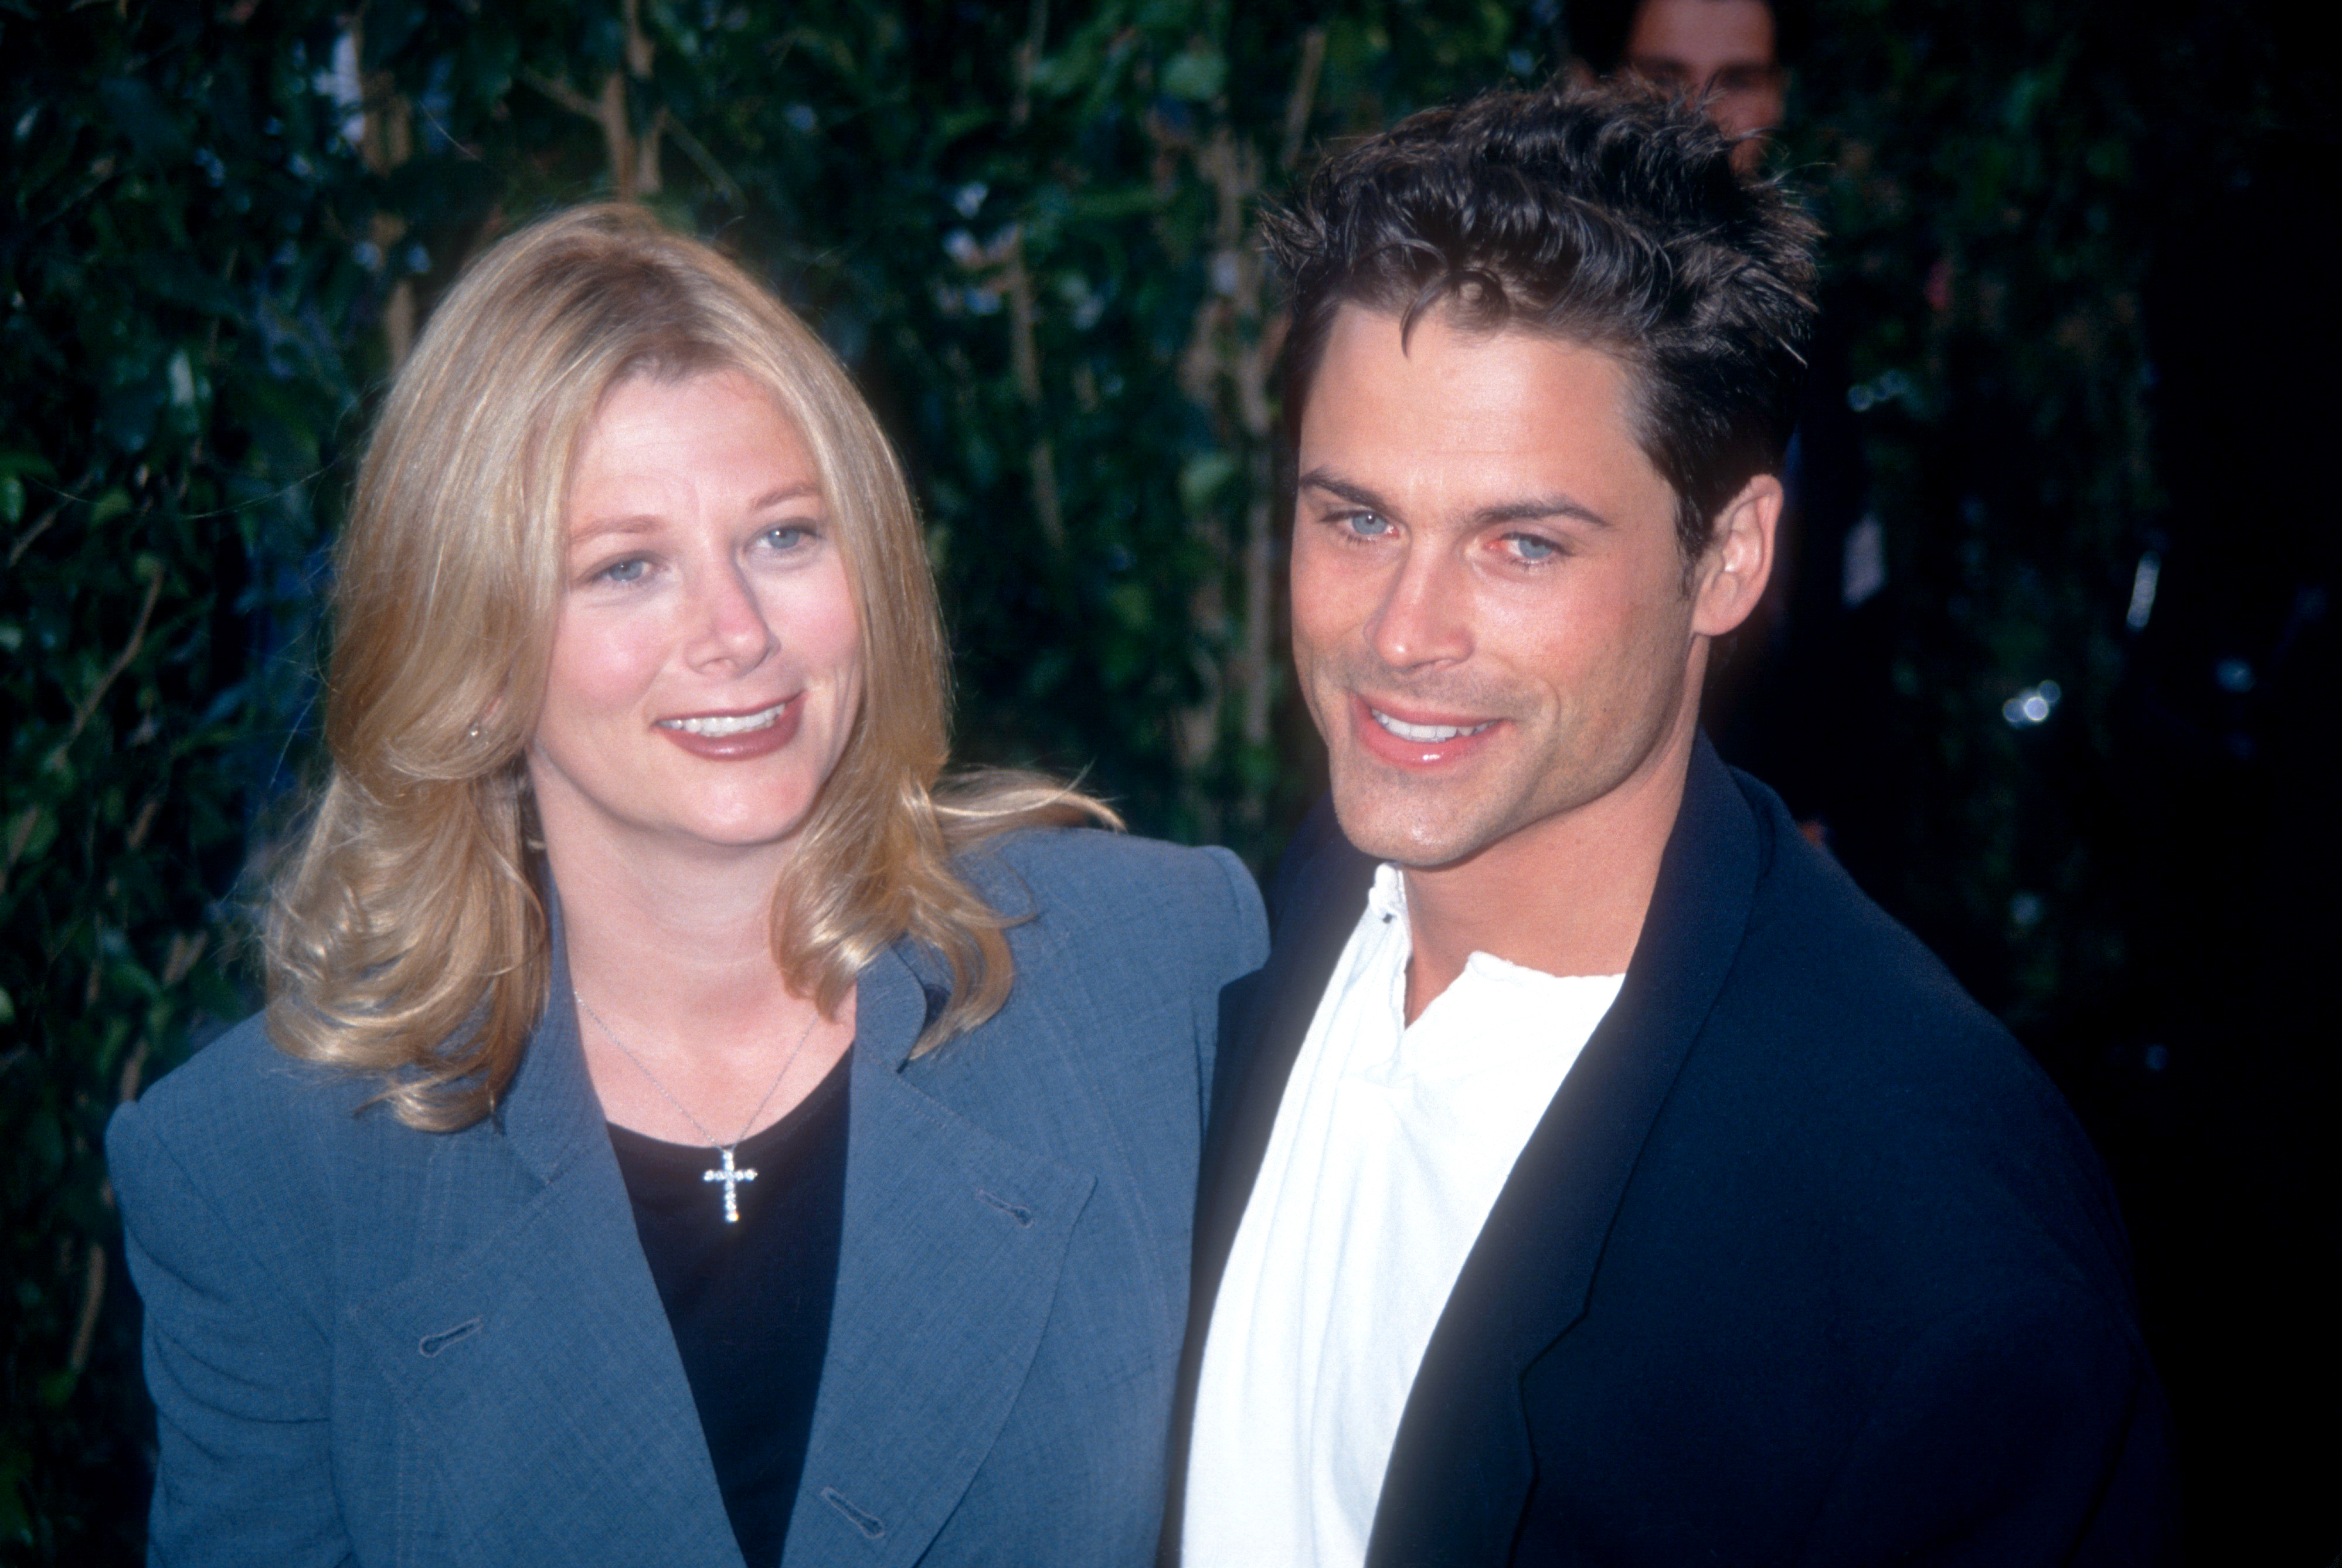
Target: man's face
[(1721, 51), (1490, 617)]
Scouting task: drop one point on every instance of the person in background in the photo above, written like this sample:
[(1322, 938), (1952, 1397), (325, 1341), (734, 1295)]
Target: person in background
[(1802, 694), (1726, 56), (1595, 1175), (687, 1128)]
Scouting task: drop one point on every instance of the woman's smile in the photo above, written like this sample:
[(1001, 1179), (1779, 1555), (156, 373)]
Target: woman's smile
[(709, 618), (735, 737)]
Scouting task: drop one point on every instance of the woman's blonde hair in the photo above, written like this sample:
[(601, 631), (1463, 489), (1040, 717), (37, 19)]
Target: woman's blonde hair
[(407, 937)]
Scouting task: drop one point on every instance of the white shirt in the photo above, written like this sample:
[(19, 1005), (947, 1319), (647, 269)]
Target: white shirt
[(1390, 1147)]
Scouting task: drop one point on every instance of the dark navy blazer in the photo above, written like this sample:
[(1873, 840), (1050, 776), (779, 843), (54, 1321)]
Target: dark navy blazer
[(372, 1344), (1807, 1264)]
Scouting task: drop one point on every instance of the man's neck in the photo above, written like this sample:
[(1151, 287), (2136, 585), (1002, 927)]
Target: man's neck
[(1564, 895)]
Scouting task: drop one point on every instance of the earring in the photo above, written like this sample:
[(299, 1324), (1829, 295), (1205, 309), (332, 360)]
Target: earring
[(471, 734)]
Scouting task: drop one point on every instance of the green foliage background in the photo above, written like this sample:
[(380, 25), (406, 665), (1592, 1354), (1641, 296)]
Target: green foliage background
[(1030, 231)]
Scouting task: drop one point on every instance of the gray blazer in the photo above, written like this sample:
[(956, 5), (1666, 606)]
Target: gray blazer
[(370, 1345)]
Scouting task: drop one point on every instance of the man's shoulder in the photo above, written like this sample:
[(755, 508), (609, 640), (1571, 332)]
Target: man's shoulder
[(1822, 965), (1857, 1090)]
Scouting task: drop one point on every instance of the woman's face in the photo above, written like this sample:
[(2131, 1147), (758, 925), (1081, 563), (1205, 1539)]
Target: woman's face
[(706, 661)]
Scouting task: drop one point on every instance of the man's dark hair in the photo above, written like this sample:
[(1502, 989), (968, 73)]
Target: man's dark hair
[(1608, 217)]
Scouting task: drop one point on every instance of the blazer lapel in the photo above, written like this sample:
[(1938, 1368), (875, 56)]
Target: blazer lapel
[(1461, 1469), (539, 1385), (952, 1243)]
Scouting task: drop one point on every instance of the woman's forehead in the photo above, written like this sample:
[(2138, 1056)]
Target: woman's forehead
[(717, 431)]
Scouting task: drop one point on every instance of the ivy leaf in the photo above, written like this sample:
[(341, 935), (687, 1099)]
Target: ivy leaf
[(134, 109), (1196, 74)]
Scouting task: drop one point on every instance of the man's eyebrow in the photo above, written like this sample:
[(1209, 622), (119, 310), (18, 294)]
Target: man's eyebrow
[(1356, 495), (1529, 509), (1536, 508)]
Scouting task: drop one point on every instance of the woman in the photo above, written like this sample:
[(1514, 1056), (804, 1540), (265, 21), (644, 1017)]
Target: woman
[(679, 1129)]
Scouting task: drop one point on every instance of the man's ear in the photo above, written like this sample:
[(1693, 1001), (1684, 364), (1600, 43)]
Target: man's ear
[(1731, 578)]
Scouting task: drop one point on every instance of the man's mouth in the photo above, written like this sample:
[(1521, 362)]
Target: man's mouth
[(1425, 734), (728, 724)]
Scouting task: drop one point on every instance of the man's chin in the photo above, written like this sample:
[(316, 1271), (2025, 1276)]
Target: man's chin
[(1417, 830)]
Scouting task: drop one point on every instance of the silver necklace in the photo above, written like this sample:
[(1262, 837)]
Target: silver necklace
[(729, 1174)]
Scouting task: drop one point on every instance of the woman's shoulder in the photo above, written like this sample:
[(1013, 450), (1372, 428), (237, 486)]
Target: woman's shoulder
[(1087, 883), (237, 1112)]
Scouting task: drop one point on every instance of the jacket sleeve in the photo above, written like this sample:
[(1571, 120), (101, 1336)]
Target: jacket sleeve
[(1242, 924), (2007, 1438), (1244, 920), (239, 1367)]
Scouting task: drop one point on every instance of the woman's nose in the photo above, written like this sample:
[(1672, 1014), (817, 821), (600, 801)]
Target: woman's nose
[(729, 624)]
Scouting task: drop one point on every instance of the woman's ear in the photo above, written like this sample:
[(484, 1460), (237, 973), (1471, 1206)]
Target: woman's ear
[(1732, 578), (486, 719)]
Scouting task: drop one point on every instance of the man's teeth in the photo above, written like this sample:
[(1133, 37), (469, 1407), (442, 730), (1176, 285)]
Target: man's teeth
[(727, 724), (1424, 733)]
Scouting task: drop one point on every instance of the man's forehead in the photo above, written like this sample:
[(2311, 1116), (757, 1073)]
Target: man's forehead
[(1702, 33), (1459, 370), (1473, 419)]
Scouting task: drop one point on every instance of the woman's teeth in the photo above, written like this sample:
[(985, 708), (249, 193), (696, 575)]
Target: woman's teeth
[(731, 725), (1421, 734)]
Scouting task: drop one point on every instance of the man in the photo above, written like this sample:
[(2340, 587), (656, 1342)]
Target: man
[(1724, 54), (1803, 695), (1595, 1176)]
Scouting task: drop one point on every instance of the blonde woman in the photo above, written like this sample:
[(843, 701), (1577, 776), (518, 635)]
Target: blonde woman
[(683, 1130)]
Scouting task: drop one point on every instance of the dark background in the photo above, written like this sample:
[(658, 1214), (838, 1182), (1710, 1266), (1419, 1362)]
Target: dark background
[(2081, 278)]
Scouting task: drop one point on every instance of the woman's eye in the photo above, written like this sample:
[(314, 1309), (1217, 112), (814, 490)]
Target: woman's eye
[(1532, 546), (631, 570), (787, 536)]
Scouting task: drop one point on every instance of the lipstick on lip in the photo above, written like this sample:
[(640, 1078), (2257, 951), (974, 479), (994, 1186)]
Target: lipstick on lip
[(1414, 739), (738, 736)]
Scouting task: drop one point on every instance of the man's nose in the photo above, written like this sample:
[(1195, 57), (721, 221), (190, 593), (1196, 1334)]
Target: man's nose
[(1425, 615)]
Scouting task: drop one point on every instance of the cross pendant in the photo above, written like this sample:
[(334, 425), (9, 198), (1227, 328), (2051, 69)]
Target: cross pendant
[(731, 1175)]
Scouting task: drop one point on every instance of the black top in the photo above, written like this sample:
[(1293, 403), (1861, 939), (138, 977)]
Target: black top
[(749, 1302)]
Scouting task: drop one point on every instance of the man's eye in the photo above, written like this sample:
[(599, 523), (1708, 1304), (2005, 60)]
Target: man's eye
[(1367, 524), (1532, 546)]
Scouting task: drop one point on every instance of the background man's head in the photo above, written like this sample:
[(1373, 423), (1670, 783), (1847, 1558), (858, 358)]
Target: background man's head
[(1732, 56), (1543, 363)]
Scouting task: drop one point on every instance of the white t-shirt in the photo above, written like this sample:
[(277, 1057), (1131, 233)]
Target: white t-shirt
[(1390, 1147)]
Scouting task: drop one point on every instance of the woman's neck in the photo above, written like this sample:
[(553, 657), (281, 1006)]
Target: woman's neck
[(674, 938), (685, 1005)]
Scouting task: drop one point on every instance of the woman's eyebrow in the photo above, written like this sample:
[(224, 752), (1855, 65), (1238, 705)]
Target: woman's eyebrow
[(786, 493), (600, 528), (649, 521)]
